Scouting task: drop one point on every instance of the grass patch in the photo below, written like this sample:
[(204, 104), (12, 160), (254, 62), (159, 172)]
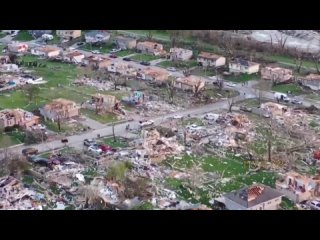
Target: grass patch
[(23, 35), (144, 57), (287, 204), (27, 179), (105, 118), (7, 141), (189, 121), (124, 53), (243, 77), (199, 71), (144, 206), (249, 103), (119, 143), (178, 64), (284, 88), (104, 48), (2, 34), (313, 124)]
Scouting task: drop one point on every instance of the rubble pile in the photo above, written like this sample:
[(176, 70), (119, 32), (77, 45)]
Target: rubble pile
[(14, 196), (156, 108), (101, 85), (158, 147)]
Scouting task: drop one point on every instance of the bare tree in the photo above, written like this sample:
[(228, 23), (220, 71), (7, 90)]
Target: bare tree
[(113, 134), (230, 103), (316, 58), (171, 88), (32, 92), (228, 45), (197, 88), (150, 34), (176, 36), (298, 58), (282, 40)]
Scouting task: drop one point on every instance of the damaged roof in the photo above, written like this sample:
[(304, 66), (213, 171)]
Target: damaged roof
[(243, 62), (251, 196), (208, 55)]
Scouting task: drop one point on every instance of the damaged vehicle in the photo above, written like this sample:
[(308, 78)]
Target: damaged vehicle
[(146, 123)]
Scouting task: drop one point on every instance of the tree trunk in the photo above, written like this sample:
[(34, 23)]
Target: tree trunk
[(269, 150), (59, 123), (114, 136)]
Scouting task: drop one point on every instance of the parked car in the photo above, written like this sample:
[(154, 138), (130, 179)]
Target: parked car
[(194, 127), (39, 160), (172, 69), (245, 109), (145, 63), (80, 43), (96, 52), (230, 84), (211, 116), (106, 148), (94, 149), (127, 59), (146, 123), (115, 50), (89, 142), (296, 101), (29, 151), (315, 204)]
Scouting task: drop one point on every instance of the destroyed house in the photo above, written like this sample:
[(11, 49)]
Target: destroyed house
[(298, 187), (150, 47), (193, 83), (276, 74), (255, 197), (18, 47), (312, 81), (68, 34), (4, 59), (107, 101), (17, 117), (125, 42), (122, 68), (243, 66), (97, 36), (60, 109), (210, 59), (180, 54), (98, 62), (154, 74), (274, 108), (74, 57)]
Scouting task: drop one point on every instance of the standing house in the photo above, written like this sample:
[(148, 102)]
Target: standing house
[(97, 62), (17, 47), (73, 57), (207, 59), (125, 43), (47, 51), (297, 187), (69, 34), (122, 68), (193, 83), (17, 117), (312, 81), (150, 48), (97, 36), (154, 74), (255, 197), (243, 66), (60, 109), (180, 54), (276, 74)]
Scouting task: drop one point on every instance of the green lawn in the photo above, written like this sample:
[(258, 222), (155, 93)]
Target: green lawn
[(289, 60), (2, 34), (23, 35), (102, 118), (163, 34), (178, 64), (7, 141), (144, 206), (189, 121), (119, 143), (144, 57), (295, 89), (243, 77), (53, 126), (124, 53), (104, 48), (249, 103)]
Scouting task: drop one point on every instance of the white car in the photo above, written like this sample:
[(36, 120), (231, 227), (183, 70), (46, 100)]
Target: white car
[(41, 126), (94, 149), (172, 69), (115, 50), (177, 117), (96, 52), (231, 84), (194, 127), (146, 123), (211, 116), (315, 205)]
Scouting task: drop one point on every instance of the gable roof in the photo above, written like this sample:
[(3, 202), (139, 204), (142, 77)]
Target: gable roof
[(208, 55), (253, 195), (243, 62)]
